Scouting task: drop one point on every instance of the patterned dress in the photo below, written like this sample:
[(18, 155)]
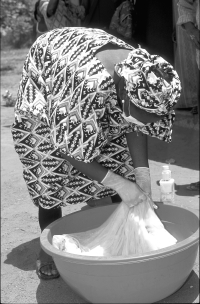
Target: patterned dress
[(67, 102)]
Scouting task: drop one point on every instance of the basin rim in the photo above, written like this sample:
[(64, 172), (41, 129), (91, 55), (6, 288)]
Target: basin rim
[(137, 258)]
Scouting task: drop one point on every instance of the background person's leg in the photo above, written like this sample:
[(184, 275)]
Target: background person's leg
[(196, 113)]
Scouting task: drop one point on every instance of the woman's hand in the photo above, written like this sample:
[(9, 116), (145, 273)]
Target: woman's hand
[(143, 180), (130, 193)]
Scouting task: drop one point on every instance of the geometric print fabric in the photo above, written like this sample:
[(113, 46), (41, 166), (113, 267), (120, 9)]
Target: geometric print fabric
[(67, 103), (52, 181)]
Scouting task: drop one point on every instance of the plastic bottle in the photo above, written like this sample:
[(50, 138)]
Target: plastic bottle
[(166, 186)]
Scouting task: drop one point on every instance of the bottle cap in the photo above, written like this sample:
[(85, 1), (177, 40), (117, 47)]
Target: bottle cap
[(166, 173)]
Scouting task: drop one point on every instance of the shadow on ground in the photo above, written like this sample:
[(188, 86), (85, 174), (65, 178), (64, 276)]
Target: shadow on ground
[(187, 293), (24, 256), (184, 148), (181, 190), (46, 292), (57, 291)]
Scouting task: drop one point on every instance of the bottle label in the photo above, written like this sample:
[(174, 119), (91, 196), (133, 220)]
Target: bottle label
[(167, 187), (167, 191)]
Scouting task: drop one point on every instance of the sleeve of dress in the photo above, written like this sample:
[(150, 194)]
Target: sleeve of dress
[(186, 11), (162, 129)]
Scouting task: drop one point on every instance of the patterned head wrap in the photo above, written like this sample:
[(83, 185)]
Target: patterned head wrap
[(151, 82), (152, 85)]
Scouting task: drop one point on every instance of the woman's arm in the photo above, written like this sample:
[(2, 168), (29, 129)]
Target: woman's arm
[(51, 7), (48, 8), (128, 191), (138, 147), (94, 170)]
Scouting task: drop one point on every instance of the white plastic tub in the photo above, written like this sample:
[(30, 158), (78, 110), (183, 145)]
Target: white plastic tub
[(143, 278)]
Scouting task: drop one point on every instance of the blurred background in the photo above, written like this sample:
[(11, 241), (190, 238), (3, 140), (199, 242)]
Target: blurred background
[(154, 24), (18, 28)]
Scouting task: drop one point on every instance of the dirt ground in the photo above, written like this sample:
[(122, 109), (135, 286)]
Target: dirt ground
[(20, 231)]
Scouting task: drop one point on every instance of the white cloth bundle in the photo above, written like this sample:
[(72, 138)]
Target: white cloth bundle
[(126, 232)]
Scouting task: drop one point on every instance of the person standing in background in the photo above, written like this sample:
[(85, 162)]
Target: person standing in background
[(154, 27), (189, 20), (185, 64), (52, 14), (123, 22), (189, 15), (188, 12), (116, 17), (100, 13)]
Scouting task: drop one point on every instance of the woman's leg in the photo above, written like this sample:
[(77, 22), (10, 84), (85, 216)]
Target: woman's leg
[(45, 265), (47, 216)]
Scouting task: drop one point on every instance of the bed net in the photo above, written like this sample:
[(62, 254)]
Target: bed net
[(126, 232)]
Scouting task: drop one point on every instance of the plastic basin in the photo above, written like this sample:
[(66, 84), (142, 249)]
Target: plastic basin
[(145, 278)]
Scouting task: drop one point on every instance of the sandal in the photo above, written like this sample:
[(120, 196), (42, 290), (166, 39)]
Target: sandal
[(43, 276), (193, 187)]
